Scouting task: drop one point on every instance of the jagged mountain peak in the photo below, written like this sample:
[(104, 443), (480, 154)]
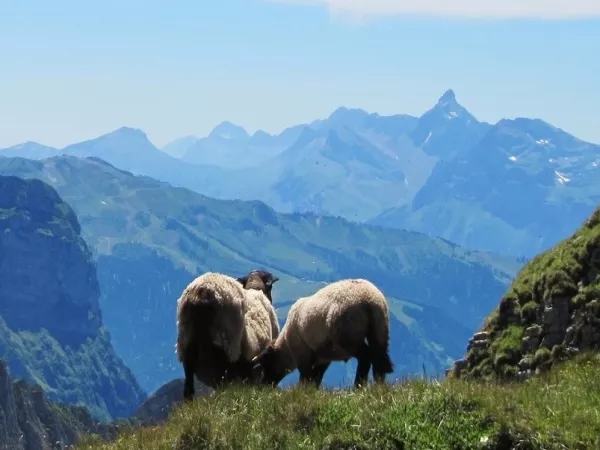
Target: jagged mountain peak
[(448, 107), (447, 97)]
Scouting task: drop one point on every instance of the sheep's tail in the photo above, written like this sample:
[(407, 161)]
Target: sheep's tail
[(378, 338)]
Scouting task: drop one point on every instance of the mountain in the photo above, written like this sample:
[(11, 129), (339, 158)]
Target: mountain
[(550, 313), (344, 166), (151, 239), (328, 172), (51, 329), (448, 128), (31, 150), (525, 186), (30, 422), (444, 173), (229, 146)]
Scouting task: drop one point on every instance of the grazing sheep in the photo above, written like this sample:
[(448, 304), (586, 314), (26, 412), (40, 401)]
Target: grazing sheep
[(261, 280), (262, 326), (221, 326), (210, 328), (331, 325)]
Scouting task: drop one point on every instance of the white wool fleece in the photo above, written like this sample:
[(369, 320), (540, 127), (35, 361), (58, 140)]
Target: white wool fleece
[(315, 323), (227, 329), (260, 322)]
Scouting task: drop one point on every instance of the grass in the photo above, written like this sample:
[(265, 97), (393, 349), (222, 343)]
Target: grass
[(560, 409)]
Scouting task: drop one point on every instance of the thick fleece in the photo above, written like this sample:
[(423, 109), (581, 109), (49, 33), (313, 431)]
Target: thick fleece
[(211, 310), (332, 325), (260, 322)]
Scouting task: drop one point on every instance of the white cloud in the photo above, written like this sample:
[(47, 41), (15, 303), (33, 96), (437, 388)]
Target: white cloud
[(473, 9)]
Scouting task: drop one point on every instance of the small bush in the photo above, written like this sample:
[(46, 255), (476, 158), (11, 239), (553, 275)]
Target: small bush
[(541, 356), (529, 312)]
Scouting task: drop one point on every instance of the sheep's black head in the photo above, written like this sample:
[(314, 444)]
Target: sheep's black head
[(260, 280), (268, 367)]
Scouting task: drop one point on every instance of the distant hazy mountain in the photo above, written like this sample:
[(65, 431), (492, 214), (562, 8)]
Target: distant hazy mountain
[(31, 150), (230, 146), (151, 239), (444, 173), (522, 188)]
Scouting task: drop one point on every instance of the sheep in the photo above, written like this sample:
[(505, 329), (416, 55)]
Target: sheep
[(221, 326), (210, 328), (261, 280), (331, 325), (261, 323), (261, 328)]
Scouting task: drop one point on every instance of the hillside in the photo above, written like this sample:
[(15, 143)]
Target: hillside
[(551, 312), (551, 413), (520, 190), (30, 422), (51, 329), (151, 239)]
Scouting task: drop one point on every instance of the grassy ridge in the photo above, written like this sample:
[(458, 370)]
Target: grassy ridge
[(568, 273), (557, 410)]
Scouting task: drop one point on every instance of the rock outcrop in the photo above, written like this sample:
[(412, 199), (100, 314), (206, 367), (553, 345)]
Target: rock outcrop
[(158, 406), (51, 330), (551, 312), (30, 422)]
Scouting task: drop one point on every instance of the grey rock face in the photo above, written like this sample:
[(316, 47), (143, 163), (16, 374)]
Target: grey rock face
[(46, 268), (50, 322), (159, 405), (29, 422)]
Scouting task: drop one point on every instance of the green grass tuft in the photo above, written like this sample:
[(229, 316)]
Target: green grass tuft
[(554, 411)]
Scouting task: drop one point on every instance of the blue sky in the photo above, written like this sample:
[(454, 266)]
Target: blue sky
[(73, 70)]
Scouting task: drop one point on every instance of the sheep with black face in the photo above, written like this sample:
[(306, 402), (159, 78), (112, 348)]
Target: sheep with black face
[(331, 325), (221, 326), (260, 321)]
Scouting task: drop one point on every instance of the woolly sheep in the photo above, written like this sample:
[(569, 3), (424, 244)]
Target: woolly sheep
[(261, 328), (331, 325), (221, 326), (210, 328)]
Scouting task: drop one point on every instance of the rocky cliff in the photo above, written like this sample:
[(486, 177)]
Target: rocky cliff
[(30, 422), (158, 406), (551, 312), (51, 330)]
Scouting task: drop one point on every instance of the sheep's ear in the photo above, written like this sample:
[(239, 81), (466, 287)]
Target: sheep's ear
[(242, 280)]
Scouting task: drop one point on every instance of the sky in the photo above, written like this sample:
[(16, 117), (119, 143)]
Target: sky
[(74, 70)]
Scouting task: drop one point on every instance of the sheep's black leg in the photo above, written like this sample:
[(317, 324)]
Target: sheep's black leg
[(318, 371), (364, 365), (382, 364), (305, 373), (189, 368)]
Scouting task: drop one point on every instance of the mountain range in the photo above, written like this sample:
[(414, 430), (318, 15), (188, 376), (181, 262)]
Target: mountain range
[(516, 187), (150, 239)]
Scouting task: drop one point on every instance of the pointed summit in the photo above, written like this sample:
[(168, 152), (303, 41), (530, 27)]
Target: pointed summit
[(447, 127), (448, 97)]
